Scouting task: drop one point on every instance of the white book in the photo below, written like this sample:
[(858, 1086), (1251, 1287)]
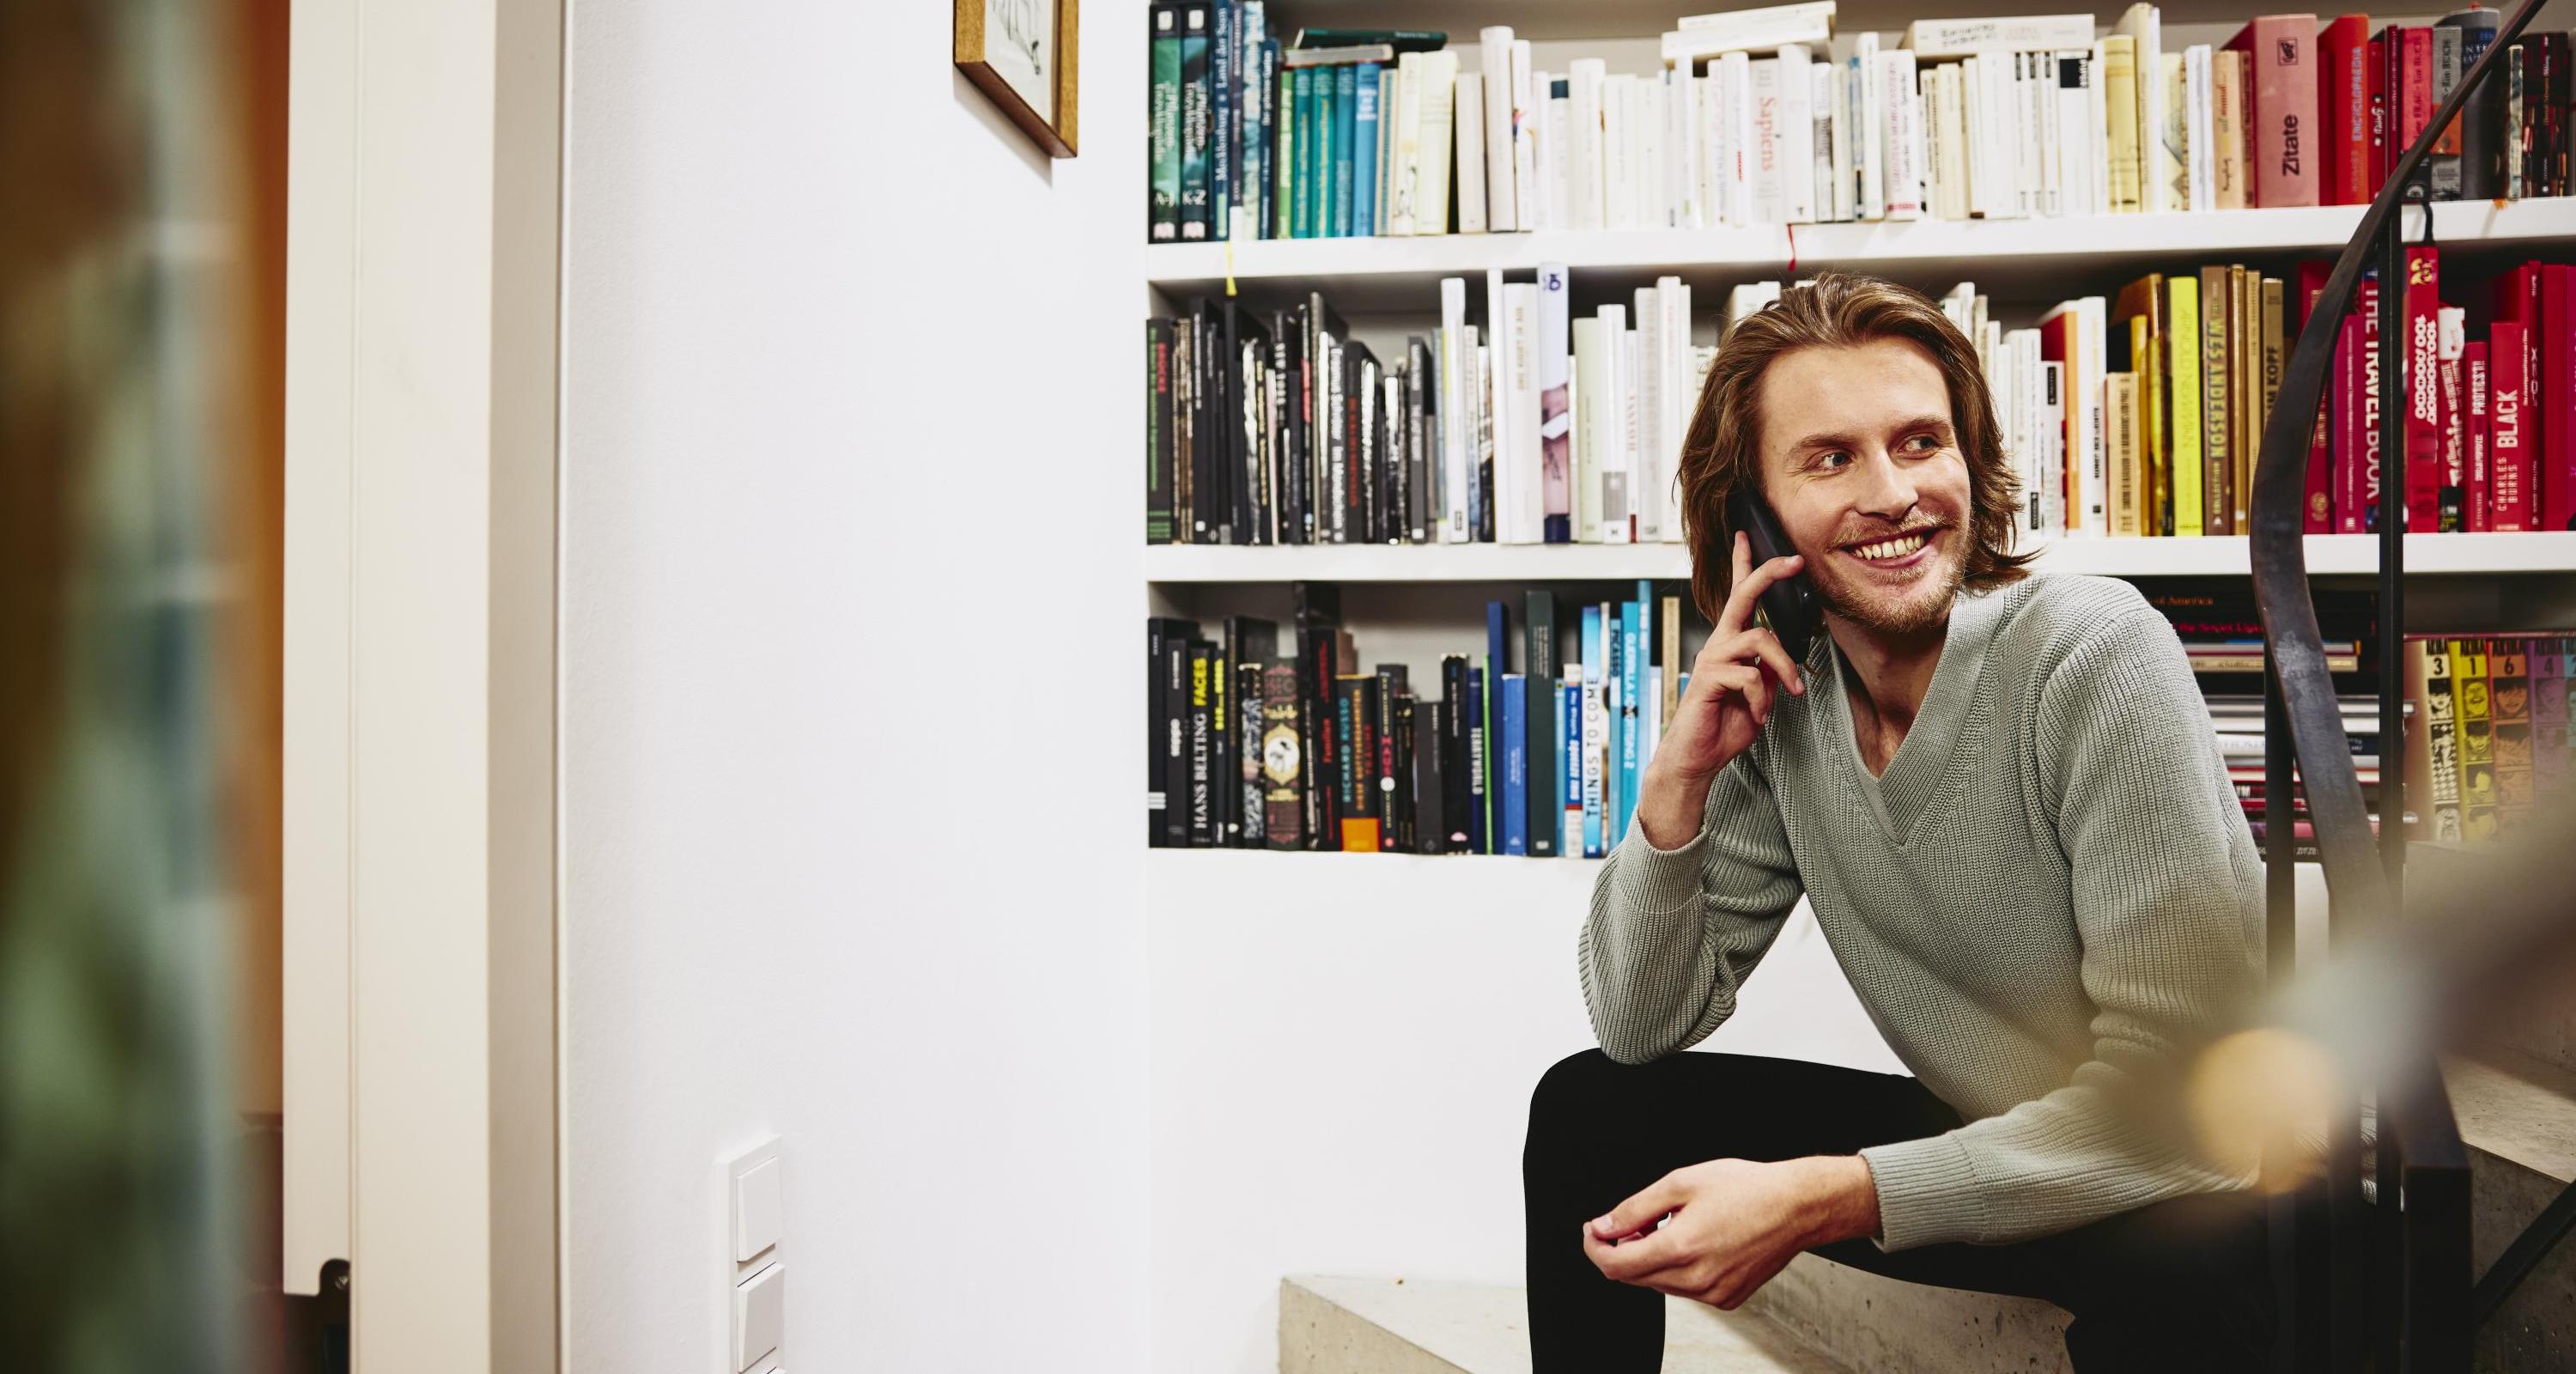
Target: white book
[(1681, 141), (2096, 138), (1471, 153), (1542, 172), (1744, 299), (1901, 135), (1646, 133), (2052, 197), (1797, 137), (2003, 133), (2089, 466), (1734, 101), (1680, 392), (1590, 429), (1439, 72), (1951, 169), (1710, 143), (1620, 523), (1555, 398), (1525, 499), (2036, 471), (1557, 154), (2078, 151), (2201, 175), (1869, 117), (1649, 423), (1587, 169), (1702, 36), (2052, 487), (1961, 37), (1618, 152), (1404, 171), (1383, 199), (1525, 122), (1480, 429), (1497, 398), (1454, 390), (1494, 59), (2144, 23), (1768, 185), (1836, 158), (2024, 144)]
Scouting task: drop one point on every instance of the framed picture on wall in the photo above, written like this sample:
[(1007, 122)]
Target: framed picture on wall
[(1021, 53)]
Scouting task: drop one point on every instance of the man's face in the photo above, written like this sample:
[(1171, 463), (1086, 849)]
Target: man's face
[(1862, 464)]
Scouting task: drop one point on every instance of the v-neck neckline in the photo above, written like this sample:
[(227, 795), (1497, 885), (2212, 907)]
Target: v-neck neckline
[(1898, 796)]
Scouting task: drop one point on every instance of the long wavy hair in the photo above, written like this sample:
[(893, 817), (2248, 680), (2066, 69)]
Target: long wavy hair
[(1723, 449)]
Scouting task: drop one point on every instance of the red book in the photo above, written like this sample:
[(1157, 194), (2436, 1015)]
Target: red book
[(2415, 444), (2281, 139), (2455, 425), (2508, 346), (2477, 497), (2320, 506), (2343, 98), (2413, 107), (2351, 446), (2370, 409), (2378, 63), (2555, 397)]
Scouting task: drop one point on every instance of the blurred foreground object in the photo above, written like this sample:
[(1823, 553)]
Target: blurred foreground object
[(116, 438)]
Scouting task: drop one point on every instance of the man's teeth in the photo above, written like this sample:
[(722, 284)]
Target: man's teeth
[(1898, 547)]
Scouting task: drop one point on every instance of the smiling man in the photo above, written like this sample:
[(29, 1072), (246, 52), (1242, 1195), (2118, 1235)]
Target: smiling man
[(2000, 794)]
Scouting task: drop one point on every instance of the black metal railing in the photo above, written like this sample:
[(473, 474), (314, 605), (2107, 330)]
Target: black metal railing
[(2384, 1284)]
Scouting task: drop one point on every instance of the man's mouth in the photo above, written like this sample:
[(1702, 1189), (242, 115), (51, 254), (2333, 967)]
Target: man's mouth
[(1893, 549)]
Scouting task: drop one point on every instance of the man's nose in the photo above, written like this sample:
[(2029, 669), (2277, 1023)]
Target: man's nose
[(1888, 491)]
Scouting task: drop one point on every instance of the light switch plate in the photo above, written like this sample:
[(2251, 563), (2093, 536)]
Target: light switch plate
[(755, 1205), (760, 1320), (751, 1206)]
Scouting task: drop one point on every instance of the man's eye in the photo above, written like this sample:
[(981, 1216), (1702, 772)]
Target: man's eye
[(1923, 443), (1834, 459)]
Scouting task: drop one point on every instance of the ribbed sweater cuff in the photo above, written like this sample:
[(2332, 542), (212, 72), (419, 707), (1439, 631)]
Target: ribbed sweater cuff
[(1660, 879), (1927, 1193)]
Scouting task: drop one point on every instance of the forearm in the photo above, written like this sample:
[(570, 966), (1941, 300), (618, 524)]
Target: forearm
[(1842, 1198), (1670, 806)]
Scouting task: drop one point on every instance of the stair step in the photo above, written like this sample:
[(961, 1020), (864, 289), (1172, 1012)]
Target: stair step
[(2517, 1115), (1868, 1321), (1330, 1325)]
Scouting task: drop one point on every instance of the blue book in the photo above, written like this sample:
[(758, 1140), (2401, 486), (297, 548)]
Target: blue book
[(1515, 764), (1476, 832), (1302, 87), (1328, 147), (1632, 701), (1569, 763), (1226, 141), (1496, 664), (1596, 662), (1346, 109), (1364, 118), (1614, 687)]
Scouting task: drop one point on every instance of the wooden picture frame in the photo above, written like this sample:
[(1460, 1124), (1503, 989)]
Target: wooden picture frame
[(976, 54)]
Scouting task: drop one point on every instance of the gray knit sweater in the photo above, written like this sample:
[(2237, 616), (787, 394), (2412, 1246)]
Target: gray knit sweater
[(2052, 879)]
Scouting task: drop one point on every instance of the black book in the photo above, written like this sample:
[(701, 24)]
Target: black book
[(1417, 439), (1325, 333), (1198, 31), (1390, 685), (1200, 798), (1247, 351), (1359, 457), (1175, 731), (1249, 643), (1538, 634), (1158, 431), (1480, 749), (1317, 608), (1430, 830), (1157, 703), (1391, 453), (1223, 823), (1250, 691), (1400, 775), (1456, 761), (1480, 447), (1541, 715), (1214, 477)]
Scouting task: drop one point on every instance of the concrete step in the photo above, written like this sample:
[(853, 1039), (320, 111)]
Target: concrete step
[(2517, 1115), (1414, 1326)]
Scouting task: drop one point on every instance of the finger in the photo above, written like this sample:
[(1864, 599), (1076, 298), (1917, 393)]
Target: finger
[(1762, 645), (1738, 612), (1635, 1259), (1757, 696), (1734, 615), (1641, 1209)]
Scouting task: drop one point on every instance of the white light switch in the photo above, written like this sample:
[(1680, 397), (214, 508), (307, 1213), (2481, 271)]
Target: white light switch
[(756, 1210), (759, 1318)]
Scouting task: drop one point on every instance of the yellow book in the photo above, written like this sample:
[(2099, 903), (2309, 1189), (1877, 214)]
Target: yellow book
[(2217, 392), (2182, 379), (2120, 409), (2245, 355), (2227, 128), (2276, 355), (2120, 110), (2477, 739)]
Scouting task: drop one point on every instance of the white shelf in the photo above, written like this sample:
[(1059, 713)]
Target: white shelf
[(1382, 272), (2428, 555)]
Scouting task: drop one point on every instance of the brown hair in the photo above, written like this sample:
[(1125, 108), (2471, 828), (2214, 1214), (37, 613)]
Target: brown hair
[(1722, 451)]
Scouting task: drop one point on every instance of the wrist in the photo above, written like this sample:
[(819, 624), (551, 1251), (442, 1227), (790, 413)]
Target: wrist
[(1671, 807), (1842, 1199)]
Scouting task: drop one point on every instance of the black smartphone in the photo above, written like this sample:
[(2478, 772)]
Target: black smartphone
[(1789, 605)]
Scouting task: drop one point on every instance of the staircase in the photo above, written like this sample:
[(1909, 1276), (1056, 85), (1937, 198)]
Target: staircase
[(2516, 1103)]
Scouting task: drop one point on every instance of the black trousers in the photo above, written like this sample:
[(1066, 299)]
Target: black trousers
[(2181, 1284)]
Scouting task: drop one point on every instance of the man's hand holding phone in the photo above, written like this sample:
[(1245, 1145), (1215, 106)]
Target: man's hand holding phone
[(1732, 685)]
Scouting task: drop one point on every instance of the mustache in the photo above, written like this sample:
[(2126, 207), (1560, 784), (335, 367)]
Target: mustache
[(1921, 524)]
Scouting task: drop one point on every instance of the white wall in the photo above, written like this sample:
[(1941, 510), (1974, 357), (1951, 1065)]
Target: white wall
[(849, 675)]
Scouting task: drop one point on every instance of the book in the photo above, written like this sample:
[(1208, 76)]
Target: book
[(1163, 123), (1512, 809), (2470, 694), (1282, 758), (1197, 125), (1469, 138), (1966, 37), (2227, 129), (1365, 139), (2344, 105), (1698, 38), (1500, 212), (1224, 139), (1343, 55)]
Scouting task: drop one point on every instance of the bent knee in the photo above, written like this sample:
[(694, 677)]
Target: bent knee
[(1574, 1085)]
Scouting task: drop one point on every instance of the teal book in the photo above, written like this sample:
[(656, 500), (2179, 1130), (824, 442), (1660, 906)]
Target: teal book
[(1346, 105), (1586, 771), (1197, 122), (1614, 682), (1632, 702), (1305, 173), (1364, 136), (1328, 130), (1163, 125)]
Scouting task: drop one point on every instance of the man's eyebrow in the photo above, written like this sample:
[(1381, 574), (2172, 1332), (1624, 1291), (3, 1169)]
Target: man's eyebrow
[(1842, 439)]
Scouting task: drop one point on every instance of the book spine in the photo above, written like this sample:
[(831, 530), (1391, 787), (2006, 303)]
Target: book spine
[(1514, 806), (1364, 148), (1302, 178), (1542, 705), (1430, 778), (2480, 124), (2508, 347), (1631, 720), (1252, 122), (2430, 660), (2453, 424), (1477, 743), (1163, 133), (1439, 94), (2373, 412), (1596, 730), (2419, 461), (1570, 755), (2344, 108), (1345, 145), (1198, 808), (2477, 499), (1502, 204), (1902, 110), (1395, 772), (2317, 507), (1196, 122), (1224, 137), (1497, 664), (1282, 782), (2120, 136), (2472, 691)]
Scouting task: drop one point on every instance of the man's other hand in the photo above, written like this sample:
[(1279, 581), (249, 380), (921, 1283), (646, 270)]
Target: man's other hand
[(1730, 1224)]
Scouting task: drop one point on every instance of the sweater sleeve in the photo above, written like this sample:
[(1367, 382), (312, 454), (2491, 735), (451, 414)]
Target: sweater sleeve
[(2167, 897), (1673, 932)]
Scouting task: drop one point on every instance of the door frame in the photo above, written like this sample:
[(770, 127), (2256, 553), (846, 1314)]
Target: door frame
[(423, 1136)]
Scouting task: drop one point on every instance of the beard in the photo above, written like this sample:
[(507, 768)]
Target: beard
[(1914, 608)]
